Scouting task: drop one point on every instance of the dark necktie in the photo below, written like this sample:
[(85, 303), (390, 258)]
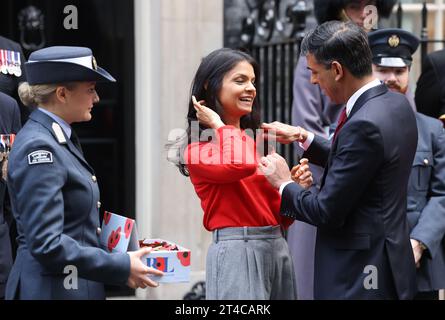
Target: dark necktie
[(75, 140), (341, 121)]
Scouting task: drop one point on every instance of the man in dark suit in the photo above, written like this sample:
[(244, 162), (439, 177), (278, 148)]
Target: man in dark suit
[(426, 187), (9, 123), (363, 247), (314, 111), (430, 91)]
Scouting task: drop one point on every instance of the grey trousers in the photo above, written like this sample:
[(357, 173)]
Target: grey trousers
[(249, 263)]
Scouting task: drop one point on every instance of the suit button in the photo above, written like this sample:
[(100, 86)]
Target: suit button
[(98, 204), (94, 179), (98, 231), (426, 162)]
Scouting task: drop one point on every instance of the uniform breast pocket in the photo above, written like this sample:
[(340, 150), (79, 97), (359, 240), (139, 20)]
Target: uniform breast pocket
[(421, 171)]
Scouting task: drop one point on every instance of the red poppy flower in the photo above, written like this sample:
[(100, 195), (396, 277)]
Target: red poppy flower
[(128, 227), (160, 264), (107, 217), (114, 239), (184, 258)]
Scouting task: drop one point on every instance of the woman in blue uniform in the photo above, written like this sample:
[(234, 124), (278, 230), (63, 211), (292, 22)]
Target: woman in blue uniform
[(54, 191)]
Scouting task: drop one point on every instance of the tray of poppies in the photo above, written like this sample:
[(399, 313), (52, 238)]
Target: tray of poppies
[(169, 258)]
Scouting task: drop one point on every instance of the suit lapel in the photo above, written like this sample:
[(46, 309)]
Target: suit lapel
[(365, 97), (47, 122)]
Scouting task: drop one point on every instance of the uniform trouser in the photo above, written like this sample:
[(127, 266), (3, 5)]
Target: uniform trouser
[(249, 263)]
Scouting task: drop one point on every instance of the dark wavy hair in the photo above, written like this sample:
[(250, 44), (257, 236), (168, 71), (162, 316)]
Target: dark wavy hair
[(206, 86)]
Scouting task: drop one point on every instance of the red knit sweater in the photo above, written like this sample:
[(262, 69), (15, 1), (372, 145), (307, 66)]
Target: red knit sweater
[(233, 192)]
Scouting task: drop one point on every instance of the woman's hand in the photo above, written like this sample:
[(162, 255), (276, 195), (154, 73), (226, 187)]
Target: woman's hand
[(206, 116), (302, 175), (284, 133), (139, 272)]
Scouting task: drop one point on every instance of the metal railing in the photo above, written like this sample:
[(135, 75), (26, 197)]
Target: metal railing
[(424, 39), (272, 34)]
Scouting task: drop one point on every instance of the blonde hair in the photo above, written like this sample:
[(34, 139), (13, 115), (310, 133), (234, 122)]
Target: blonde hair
[(34, 95)]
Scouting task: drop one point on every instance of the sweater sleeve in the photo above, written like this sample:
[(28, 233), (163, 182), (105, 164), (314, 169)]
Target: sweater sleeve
[(229, 158)]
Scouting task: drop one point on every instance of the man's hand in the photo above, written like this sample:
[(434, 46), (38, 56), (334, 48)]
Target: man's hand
[(417, 251), (302, 175), (139, 272), (284, 133), (275, 169), (206, 116)]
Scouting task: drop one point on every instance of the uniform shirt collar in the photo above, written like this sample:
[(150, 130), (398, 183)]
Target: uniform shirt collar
[(353, 99), (65, 126)]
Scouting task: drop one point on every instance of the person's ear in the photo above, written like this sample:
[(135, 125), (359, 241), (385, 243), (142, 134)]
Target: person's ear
[(206, 85), (338, 71), (61, 93)]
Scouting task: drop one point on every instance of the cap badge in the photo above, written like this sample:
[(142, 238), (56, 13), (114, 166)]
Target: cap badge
[(394, 41), (94, 63)]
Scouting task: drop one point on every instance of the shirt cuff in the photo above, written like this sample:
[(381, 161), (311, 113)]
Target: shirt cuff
[(307, 143), (283, 185)]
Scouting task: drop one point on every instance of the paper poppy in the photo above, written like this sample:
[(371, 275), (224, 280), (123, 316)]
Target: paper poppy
[(184, 258), (128, 228), (114, 239), (160, 264), (107, 217)]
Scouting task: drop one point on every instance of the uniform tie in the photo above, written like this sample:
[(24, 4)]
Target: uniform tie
[(75, 140)]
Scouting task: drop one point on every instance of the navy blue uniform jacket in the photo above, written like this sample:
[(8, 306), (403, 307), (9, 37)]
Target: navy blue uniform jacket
[(426, 202), (54, 199), (9, 123)]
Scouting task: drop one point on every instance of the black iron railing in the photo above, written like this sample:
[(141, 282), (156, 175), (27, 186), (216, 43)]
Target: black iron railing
[(272, 31), (424, 39)]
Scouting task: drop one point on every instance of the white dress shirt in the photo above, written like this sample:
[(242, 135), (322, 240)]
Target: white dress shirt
[(349, 105)]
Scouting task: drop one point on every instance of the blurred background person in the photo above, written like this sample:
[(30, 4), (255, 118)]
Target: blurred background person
[(9, 124), (11, 74), (430, 91), (12, 71)]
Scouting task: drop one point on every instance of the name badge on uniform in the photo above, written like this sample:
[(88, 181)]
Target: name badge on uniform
[(40, 156), (58, 132)]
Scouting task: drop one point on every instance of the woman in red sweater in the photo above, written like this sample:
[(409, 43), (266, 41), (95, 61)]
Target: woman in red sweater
[(249, 257)]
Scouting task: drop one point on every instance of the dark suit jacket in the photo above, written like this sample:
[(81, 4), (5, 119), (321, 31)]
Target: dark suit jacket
[(9, 123), (430, 91), (360, 211), (426, 202), (9, 83), (55, 201)]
